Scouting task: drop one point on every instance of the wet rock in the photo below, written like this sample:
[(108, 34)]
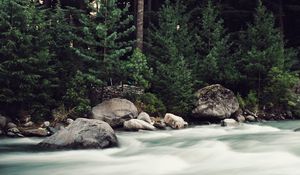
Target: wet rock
[(83, 134), (39, 132), (145, 117), (175, 121), (240, 118), (69, 121), (115, 111), (28, 124), (160, 124), (229, 123), (3, 122), (14, 132), (215, 103), (136, 124), (250, 118), (46, 124), (11, 125)]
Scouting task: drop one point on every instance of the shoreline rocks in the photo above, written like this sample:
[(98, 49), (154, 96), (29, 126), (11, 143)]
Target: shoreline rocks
[(229, 123), (136, 124), (83, 134), (115, 111), (175, 121)]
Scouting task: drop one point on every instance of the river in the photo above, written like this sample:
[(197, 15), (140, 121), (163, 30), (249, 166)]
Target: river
[(272, 148)]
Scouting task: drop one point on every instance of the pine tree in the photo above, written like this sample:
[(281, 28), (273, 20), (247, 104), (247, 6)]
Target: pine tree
[(113, 27), (215, 64), (77, 63), (25, 71), (169, 56), (261, 49)]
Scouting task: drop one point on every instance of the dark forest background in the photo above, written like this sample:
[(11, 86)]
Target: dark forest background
[(57, 55)]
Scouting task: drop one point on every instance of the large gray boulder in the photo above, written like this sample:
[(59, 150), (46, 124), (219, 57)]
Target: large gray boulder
[(115, 111), (83, 134), (136, 124), (215, 103)]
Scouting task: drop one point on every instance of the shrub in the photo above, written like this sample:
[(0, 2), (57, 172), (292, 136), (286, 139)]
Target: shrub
[(149, 103)]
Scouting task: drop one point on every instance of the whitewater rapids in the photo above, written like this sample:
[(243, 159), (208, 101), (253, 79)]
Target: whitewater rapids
[(252, 149)]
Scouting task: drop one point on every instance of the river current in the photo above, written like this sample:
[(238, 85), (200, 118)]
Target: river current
[(271, 148)]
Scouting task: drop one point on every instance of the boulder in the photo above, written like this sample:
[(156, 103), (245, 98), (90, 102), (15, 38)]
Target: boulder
[(3, 122), (136, 124), (145, 117), (250, 118), (175, 121), (240, 118), (215, 103), (82, 134), (28, 124), (11, 125), (229, 123), (39, 132), (115, 111)]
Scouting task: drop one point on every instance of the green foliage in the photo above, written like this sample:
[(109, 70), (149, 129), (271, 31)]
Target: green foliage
[(215, 62), (138, 70), (112, 28), (151, 104), (172, 76), (251, 101), (26, 71), (78, 92), (241, 101), (278, 92)]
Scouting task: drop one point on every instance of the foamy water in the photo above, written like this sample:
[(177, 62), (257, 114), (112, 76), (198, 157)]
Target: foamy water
[(270, 149)]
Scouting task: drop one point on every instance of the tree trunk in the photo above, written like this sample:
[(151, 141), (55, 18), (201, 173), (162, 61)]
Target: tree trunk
[(281, 20), (140, 24)]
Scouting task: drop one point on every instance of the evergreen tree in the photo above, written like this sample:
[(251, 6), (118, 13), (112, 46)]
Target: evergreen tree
[(262, 49), (172, 77), (113, 27), (216, 63), (26, 72)]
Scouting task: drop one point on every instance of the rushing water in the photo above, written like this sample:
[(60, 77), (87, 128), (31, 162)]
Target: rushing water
[(259, 149)]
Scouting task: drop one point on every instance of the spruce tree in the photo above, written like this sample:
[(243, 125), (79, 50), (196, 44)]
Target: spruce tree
[(261, 50), (215, 62), (169, 56), (113, 27), (26, 72)]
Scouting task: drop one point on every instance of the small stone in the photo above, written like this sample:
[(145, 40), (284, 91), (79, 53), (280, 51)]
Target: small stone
[(46, 124), (13, 130), (136, 124), (145, 117), (69, 121), (229, 123), (175, 121), (250, 118), (28, 124), (11, 125), (241, 118)]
